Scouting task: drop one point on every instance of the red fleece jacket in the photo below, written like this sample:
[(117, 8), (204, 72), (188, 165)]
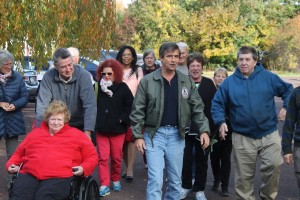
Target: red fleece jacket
[(45, 156)]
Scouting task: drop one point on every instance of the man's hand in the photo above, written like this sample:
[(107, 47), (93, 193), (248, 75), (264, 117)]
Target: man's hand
[(282, 114), (223, 131), (13, 168), (288, 158), (204, 140), (88, 133), (140, 145)]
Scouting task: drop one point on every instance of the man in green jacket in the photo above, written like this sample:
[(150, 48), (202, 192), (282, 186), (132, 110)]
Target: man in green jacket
[(164, 106)]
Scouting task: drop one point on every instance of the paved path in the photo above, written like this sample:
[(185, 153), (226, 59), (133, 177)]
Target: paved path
[(136, 190)]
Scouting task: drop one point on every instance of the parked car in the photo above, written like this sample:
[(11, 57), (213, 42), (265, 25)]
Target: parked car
[(31, 83), (91, 65)]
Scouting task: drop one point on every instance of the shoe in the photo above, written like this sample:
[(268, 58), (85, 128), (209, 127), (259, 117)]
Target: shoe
[(116, 186), (200, 195), (184, 192), (215, 187), (129, 179), (123, 175), (225, 192), (104, 191)]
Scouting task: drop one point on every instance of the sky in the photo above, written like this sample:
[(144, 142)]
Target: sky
[(126, 2)]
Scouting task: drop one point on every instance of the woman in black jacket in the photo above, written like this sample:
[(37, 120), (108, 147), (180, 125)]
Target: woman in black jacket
[(113, 108)]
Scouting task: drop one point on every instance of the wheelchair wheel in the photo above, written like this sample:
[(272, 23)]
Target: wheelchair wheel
[(89, 190)]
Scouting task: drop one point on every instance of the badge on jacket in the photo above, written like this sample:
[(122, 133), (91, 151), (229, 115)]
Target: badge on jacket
[(185, 93)]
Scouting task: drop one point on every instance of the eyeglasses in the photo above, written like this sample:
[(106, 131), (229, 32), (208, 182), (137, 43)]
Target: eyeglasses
[(106, 73)]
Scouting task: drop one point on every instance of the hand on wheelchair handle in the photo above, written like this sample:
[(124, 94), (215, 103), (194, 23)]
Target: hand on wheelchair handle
[(77, 170)]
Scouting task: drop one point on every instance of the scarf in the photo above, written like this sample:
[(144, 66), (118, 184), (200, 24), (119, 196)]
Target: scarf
[(4, 78), (104, 87)]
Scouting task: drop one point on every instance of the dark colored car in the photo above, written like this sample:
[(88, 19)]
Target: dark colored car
[(91, 65), (31, 82)]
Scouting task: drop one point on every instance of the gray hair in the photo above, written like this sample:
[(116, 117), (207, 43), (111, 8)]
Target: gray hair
[(182, 45), (221, 70), (5, 56), (148, 52), (60, 53), (73, 51), (167, 47)]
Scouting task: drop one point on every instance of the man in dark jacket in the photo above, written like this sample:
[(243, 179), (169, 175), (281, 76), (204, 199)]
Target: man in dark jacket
[(206, 90), (249, 94)]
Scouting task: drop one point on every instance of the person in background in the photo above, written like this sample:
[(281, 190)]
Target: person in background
[(132, 75), (75, 54), (13, 97), (149, 62), (75, 57), (71, 84), (165, 104), (148, 67), (206, 90), (184, 52), (291, 132), (114, 105), (219, 75), (221, 150), (249, 94), (49, 157)]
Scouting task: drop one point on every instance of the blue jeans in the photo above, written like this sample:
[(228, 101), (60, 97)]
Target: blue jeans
[(165, 151)]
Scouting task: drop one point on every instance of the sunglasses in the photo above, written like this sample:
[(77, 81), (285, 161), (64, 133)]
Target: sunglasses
[(106, 73)]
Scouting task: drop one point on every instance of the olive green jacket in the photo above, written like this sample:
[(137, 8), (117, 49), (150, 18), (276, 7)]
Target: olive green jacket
[(148, 105)]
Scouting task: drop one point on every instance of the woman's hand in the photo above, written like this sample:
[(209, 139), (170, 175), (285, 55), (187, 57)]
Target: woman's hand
[(11, 107), (7, 107), (4, 105), (13, 169), (77, 170)]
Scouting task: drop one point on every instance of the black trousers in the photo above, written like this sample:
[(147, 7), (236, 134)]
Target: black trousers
[(220, 161), (27, 187), (200, 157)]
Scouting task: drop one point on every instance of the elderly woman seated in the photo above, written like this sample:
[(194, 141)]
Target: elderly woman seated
[(50, 156)]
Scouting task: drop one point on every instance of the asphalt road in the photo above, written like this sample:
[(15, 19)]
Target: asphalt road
[(136, 190)]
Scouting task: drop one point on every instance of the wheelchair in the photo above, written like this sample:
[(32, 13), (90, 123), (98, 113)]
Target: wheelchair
[(81, 188)]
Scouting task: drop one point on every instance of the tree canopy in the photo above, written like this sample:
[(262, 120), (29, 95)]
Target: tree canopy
[(48, 24), (217, 28)]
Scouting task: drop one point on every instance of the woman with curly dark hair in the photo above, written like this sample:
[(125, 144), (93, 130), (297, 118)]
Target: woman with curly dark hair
[(113, 108), (132, 75)]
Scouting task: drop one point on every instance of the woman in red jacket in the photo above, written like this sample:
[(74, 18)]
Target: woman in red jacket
[(46, 159)]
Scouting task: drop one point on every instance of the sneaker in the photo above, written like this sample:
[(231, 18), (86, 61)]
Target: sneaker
[(104, 191), (200, 195), (184, 192), (225, 192), (215, 187), (116, 186)]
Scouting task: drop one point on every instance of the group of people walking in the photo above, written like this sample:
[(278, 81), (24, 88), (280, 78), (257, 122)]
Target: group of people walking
[(170, 113)]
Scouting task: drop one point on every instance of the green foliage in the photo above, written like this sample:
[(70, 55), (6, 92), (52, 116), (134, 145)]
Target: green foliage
[(217, 28), (284, 50), (48, 24)]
